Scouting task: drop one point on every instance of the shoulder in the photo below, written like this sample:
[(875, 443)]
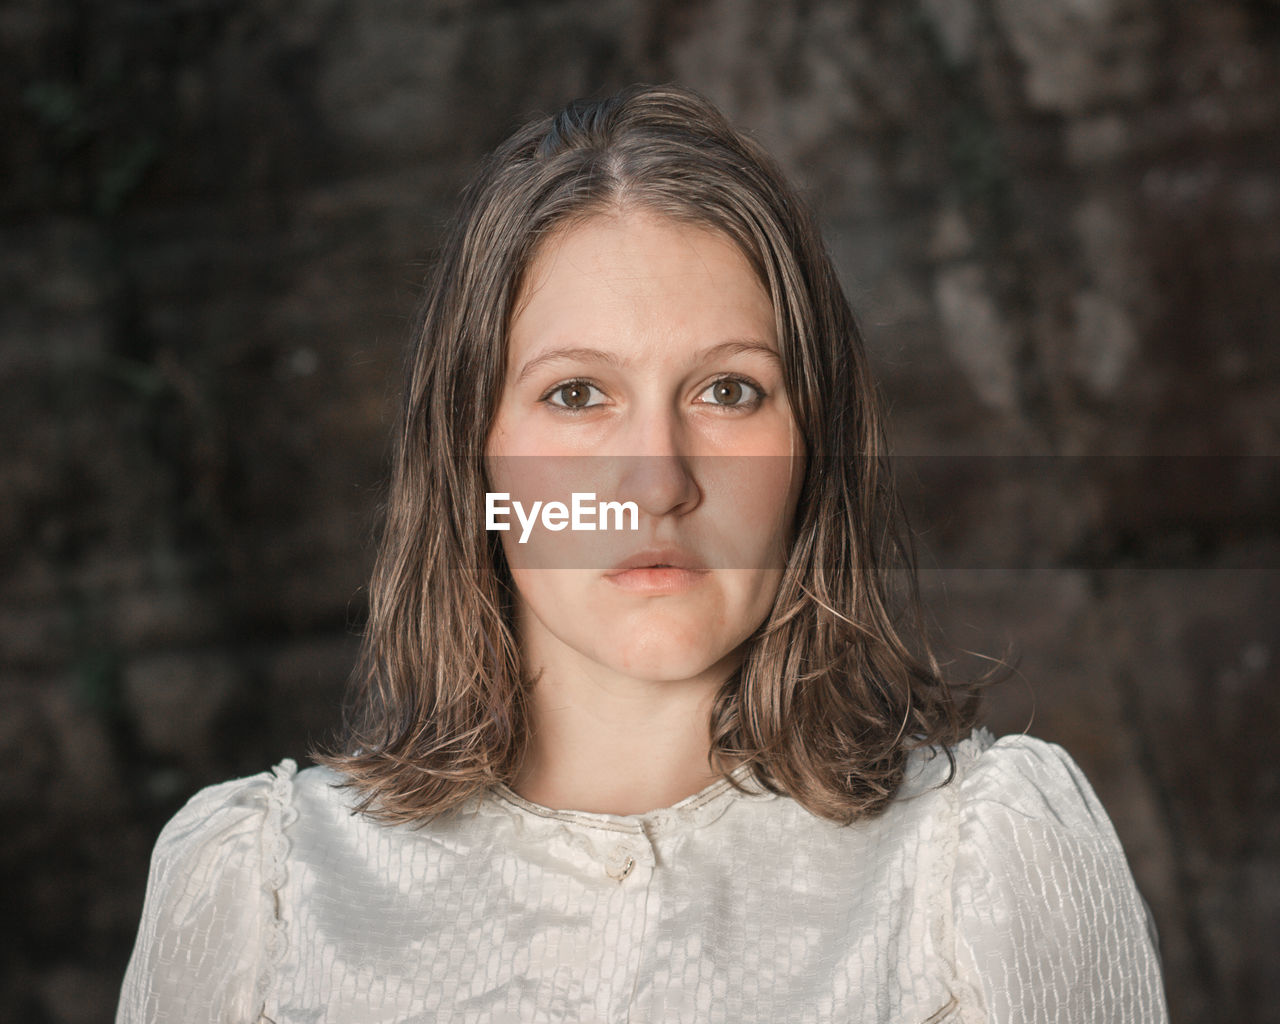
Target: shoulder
[(225, 822), (1041, 888), (252, 826), (1021, 774), (1019, 802), (208, 936), (1008, 805), (269, 799), (1026, 777)]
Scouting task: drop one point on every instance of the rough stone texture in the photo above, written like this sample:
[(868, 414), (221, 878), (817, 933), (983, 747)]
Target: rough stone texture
[(1060, 223)]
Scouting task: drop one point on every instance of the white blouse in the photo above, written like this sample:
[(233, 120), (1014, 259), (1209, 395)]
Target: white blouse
[(1003, 896)]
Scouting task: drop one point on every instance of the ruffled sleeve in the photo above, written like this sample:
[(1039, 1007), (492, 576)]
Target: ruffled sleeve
[(1049, 923), (211, 929)]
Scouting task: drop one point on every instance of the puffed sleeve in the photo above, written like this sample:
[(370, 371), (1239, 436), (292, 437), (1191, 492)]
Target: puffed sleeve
[(205, 942), (1050, 926)]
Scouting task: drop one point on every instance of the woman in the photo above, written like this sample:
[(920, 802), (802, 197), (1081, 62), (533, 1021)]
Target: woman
[(639, 733)]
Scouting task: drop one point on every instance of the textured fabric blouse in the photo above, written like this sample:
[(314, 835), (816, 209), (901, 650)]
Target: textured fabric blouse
[(1002, 896)]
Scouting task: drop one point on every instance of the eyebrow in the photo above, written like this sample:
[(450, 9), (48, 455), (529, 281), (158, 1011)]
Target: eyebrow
[(734, 346), (589, 355)]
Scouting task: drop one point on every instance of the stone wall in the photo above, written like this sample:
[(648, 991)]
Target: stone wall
[(1060, 222)]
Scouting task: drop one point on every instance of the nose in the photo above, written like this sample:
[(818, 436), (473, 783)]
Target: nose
[(657, 469)]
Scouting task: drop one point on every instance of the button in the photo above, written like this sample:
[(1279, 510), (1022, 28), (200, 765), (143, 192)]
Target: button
[(620, 863)]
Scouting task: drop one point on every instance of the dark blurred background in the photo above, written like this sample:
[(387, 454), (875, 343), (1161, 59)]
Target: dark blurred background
[(1060, 221)]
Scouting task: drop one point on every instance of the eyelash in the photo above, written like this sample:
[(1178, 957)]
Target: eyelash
[(736, 378)]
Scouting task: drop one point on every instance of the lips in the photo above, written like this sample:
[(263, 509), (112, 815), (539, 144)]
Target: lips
[(659, 558), (658, 572)]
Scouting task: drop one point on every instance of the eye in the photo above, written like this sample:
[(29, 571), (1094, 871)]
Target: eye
[(574, 394), (732, 392)]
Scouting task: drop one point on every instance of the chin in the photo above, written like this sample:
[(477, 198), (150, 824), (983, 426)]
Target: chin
[(667, 658), (664, 671)]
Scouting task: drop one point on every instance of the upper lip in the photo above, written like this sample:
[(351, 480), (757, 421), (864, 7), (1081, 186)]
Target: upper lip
[(659, 558)]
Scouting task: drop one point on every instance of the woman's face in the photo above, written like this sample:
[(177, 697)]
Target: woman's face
[(643, 367)]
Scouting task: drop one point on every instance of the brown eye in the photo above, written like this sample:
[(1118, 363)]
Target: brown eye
[(574, 395), (732, 393), (727, 392)]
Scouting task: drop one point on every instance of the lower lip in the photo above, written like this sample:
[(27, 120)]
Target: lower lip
[(657, 581)]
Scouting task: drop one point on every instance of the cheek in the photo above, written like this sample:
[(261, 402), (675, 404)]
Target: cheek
[(552, 599), (752, 501)]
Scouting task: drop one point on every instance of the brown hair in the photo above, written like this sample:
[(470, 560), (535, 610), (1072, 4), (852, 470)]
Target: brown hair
[(839, 681)]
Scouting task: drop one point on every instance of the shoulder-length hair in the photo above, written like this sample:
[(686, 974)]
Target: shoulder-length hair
[(838, 684)]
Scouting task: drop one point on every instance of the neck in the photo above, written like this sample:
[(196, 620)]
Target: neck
[(602, 745)]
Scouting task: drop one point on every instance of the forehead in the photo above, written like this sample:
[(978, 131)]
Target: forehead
[(621, 265)]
